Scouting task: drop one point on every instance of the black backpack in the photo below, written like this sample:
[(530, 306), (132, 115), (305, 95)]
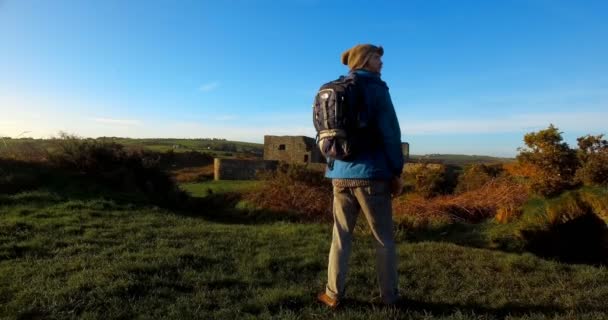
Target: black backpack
[(339, 116)]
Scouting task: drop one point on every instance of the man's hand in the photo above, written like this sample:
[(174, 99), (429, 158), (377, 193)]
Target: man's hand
[(396, 186)]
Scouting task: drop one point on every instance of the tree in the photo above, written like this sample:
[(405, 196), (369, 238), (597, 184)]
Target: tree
[(554, 161), (593, 156)]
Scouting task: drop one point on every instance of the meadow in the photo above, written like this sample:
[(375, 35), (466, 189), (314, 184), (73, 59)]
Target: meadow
[(99, 258), (112, 237)]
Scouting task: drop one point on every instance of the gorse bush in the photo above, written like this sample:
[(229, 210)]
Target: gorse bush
[(593, 156), (113, 166), (554, 163), (16, 176), (294, 188), (430, 179), (23, 150), (475, 176)]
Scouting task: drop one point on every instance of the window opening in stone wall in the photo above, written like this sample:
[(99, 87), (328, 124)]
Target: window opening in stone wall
[(281, 147), (305, 158)]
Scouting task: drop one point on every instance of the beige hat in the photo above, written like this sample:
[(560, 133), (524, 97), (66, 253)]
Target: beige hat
[(357, 56)]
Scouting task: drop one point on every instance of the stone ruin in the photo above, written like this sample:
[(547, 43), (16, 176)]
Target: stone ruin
[(290, 149)]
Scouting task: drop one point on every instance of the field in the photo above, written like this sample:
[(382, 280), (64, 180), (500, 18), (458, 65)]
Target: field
[(95, 257), (97, 231), (214, 147)]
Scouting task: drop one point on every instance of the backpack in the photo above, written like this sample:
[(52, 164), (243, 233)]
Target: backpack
[(338, 116)]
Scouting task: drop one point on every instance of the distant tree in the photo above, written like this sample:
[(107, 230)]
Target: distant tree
[(554, 161), (593, 156)]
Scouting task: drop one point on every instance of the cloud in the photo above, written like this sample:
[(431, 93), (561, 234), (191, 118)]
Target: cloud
[(120, 122), (207, 87)]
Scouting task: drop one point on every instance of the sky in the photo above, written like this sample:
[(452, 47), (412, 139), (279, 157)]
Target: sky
[(466, 77)]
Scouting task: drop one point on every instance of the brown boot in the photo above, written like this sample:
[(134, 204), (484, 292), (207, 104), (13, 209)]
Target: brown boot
[(328, 301)]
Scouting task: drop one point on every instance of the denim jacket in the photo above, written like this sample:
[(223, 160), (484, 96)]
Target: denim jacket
[(385, 161)]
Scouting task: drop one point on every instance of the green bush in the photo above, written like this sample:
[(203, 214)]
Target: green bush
[(593, 157), (430, 179), (112, 165), (16, 177), (554, 162)]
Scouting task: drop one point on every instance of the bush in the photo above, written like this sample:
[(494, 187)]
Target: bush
[(476, 176), (553, 161), (110, 164), (430, 179), (499, 196), (593, 156), (16, 176), (294, 188)]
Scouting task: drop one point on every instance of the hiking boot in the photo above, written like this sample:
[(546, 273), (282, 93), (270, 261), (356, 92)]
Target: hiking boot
[(327, 300)]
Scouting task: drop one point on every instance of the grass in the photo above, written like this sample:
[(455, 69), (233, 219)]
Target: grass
[(98, 259), (203, 189)]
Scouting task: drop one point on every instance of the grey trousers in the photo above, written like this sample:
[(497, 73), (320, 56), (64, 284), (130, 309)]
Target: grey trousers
[(375, 203)]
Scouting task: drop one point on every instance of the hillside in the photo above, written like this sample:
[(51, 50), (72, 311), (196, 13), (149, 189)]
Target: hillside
[(458, 159)]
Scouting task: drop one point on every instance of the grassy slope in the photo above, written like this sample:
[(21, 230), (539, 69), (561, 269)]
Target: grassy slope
[(98, 259)]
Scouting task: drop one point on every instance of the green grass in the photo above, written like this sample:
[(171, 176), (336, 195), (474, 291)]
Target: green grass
[(99, 259), (202, 189)]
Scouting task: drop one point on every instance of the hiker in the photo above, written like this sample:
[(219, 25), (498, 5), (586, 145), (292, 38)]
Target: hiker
[(366, 181)]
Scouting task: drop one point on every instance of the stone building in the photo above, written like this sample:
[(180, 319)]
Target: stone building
[(292, 149)]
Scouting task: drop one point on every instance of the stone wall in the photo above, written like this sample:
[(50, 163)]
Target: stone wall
[(292, 149), (237, 169), (405, 149)]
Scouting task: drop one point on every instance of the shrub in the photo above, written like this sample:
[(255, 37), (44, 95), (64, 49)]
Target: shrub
[(593, 156), (110, 164), (430, 179), (24, 149), (553, 161), (497, 196), (476, 176), (193, 174), (16, 176), (294, 189)]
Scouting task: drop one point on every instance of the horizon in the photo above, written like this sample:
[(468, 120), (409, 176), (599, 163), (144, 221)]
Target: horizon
[(468, 78)]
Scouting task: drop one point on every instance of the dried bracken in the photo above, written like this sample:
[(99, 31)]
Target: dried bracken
[(497, 196)]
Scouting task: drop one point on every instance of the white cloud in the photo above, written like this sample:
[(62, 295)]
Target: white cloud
[(120, 122), (209, 86)]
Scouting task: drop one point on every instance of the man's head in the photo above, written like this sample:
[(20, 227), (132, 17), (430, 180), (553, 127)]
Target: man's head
[(364, 56)]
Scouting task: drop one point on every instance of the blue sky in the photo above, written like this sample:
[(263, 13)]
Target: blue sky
[(469, 77)]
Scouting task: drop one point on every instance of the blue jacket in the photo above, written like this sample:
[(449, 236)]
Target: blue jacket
[(385, 161)]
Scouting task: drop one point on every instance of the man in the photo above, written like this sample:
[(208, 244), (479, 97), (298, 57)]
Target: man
[(365, 183)]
